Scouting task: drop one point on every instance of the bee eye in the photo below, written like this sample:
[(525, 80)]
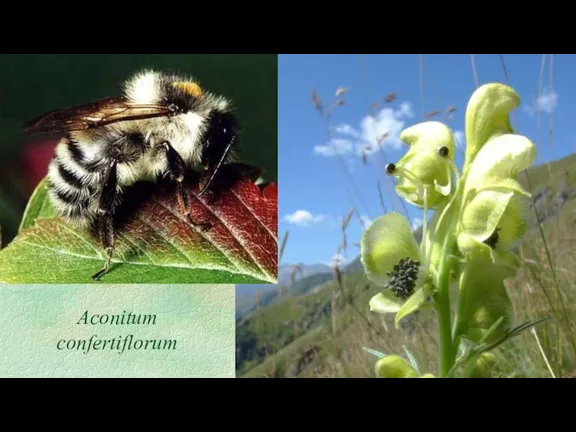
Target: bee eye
[(225, 126)]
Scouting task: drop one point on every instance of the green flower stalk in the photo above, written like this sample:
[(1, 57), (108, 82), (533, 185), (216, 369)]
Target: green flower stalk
[(479, 217)]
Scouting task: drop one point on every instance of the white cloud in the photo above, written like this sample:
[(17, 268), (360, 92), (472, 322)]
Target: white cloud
[(304, 218), (546, 102), (335, 146), (346, 129), (388, 123), (459, 138), (366, 221), (337, 260), (416, 223)]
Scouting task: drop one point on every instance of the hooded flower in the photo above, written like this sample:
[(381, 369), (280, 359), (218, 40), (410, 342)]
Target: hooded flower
[(487, 115), (425, 171), (493, 211), (392, 260), (494, 214)]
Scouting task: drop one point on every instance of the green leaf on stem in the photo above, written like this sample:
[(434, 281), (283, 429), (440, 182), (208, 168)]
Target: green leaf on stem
[(378, 354), (509, 335), (411, 358)]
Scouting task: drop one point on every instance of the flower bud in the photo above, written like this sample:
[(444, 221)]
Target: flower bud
[(394, 366), (482, 366)]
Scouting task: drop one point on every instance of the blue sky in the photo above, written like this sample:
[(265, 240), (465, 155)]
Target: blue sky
[(317, 191)]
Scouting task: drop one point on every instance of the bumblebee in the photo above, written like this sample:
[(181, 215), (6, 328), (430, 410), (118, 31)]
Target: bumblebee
[(162, 125)]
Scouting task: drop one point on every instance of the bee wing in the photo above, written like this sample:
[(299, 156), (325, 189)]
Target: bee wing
[(91, 115)]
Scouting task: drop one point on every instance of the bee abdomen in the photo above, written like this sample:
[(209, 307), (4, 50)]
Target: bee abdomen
[(70, 202), (71, 187)]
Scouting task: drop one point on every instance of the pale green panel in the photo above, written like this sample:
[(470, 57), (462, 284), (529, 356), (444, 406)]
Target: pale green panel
[(35, 318)]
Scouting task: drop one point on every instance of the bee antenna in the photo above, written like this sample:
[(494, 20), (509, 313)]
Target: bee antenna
[(220, 162)]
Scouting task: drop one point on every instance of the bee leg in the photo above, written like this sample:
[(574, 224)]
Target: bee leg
[(176, 168), (105, 222)]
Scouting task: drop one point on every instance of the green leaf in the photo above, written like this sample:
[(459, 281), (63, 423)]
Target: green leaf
[(155, 243), (509, 335), (411, 359), (473, 353), (38, 207), (480, 349), (378, 354), (491, 330)]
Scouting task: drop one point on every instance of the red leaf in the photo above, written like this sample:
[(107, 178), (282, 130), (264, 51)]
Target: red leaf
[(243, 219), (155, 241)]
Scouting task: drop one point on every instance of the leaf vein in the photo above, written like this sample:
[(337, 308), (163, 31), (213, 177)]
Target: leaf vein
[(199, 231), (73, 232), (166, 238), (255, 215), (233, 235), (88, 257)]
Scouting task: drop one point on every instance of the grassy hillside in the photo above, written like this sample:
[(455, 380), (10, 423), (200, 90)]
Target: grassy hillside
[(261, 299), (322, 332), (249, 296)]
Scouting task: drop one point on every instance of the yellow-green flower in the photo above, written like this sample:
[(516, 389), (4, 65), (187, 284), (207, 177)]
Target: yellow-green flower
[(482, 366), (394, 366), (479, 217), (484, 309), (392, 260), (425, 171), (487, 116), (494, 213)]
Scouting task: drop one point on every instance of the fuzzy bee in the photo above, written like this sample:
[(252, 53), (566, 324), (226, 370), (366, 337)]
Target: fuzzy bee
[(162, 125)]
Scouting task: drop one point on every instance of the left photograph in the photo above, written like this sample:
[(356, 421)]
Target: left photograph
[(138, 169)]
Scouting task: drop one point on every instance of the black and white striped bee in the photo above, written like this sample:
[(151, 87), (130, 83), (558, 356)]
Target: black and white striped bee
[(163, 124)]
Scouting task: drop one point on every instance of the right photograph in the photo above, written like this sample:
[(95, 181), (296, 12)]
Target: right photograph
[(425, 220)]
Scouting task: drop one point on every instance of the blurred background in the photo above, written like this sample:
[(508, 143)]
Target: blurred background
[(33, 84)]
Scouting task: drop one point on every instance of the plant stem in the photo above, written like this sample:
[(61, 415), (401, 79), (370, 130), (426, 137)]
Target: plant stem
[(449, 221), (447, 352)]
